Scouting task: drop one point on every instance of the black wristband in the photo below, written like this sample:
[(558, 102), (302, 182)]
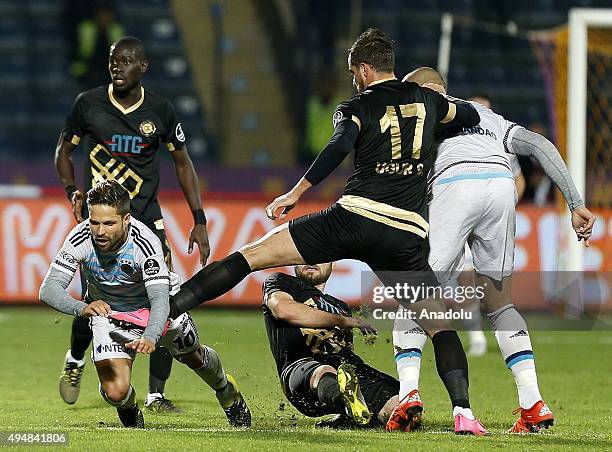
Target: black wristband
[(198, 216), (70, 189)]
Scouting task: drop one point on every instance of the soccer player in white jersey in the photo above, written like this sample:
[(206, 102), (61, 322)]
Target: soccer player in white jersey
[(473, 325), (127, 302), (473, 202)]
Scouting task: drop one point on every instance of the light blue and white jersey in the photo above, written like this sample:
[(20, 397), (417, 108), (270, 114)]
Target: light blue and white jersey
[(120, 278), (480, 152)]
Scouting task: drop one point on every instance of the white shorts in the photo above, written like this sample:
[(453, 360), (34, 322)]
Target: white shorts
[(479, 212), (108, 338)]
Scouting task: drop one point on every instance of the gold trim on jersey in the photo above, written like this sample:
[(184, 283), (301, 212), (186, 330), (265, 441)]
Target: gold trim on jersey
[(356, 120), (119, 107), (381, 212), (105, 167), (452, 111), (170, 147), (382, 81), (159, 224), (75, 140)]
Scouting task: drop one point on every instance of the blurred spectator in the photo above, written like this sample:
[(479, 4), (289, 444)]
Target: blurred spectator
[(95, 30), (319, 112)]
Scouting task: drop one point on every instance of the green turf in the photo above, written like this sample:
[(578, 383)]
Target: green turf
[(574, 369)]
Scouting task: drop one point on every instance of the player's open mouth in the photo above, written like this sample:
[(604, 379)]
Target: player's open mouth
[(119, 81), (102, 242), (311, 268)]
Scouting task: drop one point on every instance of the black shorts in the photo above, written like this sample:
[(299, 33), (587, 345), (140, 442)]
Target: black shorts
[(377, 387), (395, 255)]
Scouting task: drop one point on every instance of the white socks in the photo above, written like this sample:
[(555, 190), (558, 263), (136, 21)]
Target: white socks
[(70, 359), (408, 342), (513, 339)]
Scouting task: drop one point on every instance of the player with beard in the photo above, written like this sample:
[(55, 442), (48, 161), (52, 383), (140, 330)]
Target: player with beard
[(127, 304), (311, 339), (381, 218), (122, 129)]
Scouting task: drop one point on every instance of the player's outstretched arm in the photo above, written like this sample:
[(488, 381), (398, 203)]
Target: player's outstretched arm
[(188, 180), (338, 147), (285, 308), (53, 292), (65, 171), (460, 114), (531, 144)]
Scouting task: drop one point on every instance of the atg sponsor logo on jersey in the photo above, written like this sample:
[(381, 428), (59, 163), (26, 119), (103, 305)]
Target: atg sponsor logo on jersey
[(126, 144), (478, 131)]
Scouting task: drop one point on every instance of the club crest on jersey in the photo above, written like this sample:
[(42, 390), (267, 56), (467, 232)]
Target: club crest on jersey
[(147, 128), (151, 267), (338, 116), (180, 135)]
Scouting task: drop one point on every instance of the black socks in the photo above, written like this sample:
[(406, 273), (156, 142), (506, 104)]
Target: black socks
[(209, 283), (80, 337), (328, 393), (452, 366), (160, 365)]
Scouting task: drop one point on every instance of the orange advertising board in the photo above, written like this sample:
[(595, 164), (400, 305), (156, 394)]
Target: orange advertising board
[(32, 231)]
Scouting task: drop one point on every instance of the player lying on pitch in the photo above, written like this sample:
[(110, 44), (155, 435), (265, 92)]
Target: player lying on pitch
[(473, 202), (128, 287), (381, 218), (311, 339)]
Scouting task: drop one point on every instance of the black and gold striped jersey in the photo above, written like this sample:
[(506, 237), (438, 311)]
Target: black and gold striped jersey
[(393, 151), (123, 144), (289, 343)]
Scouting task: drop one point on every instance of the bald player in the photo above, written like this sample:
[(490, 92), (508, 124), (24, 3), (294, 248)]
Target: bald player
[(473, 202)]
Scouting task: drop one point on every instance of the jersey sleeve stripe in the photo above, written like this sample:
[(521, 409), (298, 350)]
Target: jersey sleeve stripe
[(507, 134), (356, 120), (75, 140), (142, 243), (156, 277), (452, 111), (170, 147), (81, 240), (63, 267), (76, 237)]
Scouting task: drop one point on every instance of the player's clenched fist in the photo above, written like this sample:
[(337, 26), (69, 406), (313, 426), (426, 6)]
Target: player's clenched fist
[(582, 222), (141, 345), (98, 307)]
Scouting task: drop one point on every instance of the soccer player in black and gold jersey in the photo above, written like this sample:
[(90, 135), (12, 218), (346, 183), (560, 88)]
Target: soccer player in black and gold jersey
[(122, 128), (381, 218), (311, 339)]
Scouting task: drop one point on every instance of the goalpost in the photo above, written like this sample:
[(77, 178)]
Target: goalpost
[(576, 64), (580, 20)]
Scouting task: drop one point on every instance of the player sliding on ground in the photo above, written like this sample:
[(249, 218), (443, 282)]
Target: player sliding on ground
[(311, 339), (474, 202), (128, 287), (381, 219)]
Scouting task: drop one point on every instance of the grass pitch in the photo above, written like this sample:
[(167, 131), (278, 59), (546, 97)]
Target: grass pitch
[(574, 370)]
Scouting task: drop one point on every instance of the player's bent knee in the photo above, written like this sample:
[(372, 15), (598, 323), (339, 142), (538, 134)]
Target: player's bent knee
[(318, 374), (194, 360), (114, 393)]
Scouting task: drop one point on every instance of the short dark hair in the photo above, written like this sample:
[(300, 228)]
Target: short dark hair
[(375, 48), (109, 193), (133, 43)]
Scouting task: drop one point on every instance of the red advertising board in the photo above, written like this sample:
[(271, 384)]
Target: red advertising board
[(33, 230)]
